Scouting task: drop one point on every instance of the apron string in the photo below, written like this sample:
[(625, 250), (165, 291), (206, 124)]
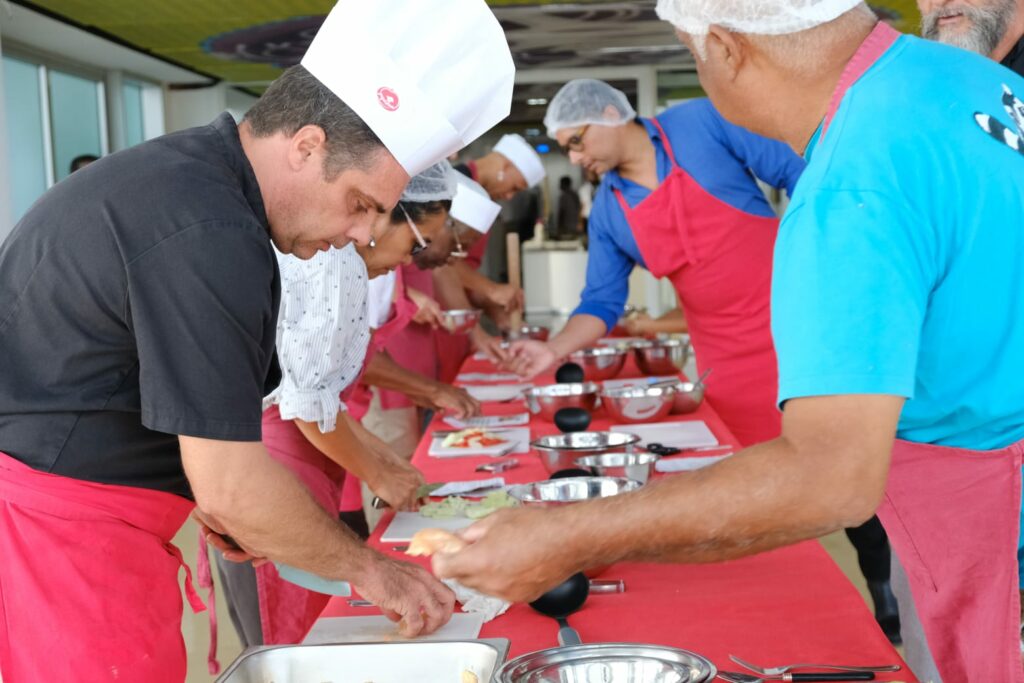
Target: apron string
[(205, 579)]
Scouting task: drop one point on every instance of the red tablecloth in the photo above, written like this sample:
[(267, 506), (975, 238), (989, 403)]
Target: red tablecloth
[(789, 605)]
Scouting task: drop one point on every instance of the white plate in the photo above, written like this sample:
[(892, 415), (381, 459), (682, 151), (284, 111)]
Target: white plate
[(518, 438), (492, 393), (474, 377), (379, 629), (669, 465), (405, 525), (489, 421), (690, 434)]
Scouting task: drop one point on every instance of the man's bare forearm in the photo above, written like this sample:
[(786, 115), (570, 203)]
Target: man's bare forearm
[(263, 506), (385, 373), (344, 446), (767, 496), (580, 332)]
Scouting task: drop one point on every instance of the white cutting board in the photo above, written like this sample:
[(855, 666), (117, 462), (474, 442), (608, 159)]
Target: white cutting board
[(379, 629), (405, 525), (690, 434), (518, 437)]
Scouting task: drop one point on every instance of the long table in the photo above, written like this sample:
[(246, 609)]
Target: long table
[(789, 605)]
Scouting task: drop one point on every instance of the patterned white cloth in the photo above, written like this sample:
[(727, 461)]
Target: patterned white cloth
[(322, 334), (380, 299)]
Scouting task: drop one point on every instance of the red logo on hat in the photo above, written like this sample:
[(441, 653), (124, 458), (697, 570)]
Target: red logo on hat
[(388, 98)]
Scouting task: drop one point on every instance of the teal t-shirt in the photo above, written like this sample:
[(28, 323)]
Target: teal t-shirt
[(899, 267)]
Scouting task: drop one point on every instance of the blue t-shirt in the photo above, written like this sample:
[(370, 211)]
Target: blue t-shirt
[(721, 157), (899, 266)]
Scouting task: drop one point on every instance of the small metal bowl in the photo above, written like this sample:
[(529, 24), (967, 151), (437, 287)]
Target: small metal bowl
[(559, 451), (635, 466), (572, 490), (638, 404), (661, 356), (535, 332), (688, 397), (600, 363), (460, 321), (547, 400)]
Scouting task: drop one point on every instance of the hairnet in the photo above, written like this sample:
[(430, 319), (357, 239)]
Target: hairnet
[(433, 185), (764, 17), (583, 101)]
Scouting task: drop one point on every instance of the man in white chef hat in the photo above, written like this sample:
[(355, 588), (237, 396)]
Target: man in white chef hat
[(133, 398)]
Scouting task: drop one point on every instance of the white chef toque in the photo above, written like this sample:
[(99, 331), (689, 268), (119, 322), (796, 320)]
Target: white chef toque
[(764, 17), (472, 206), (428, 77), (516, 149)]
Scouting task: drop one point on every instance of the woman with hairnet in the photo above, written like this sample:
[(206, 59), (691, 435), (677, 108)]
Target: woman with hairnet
[(322, 339), (679, 197)]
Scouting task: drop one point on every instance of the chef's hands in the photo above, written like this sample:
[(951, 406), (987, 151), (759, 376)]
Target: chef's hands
[(397, 483), (406, 593), (506, 297), (639, 325), (529, 358), (216, 536), (454, 401), (428, 310), (515, 555)]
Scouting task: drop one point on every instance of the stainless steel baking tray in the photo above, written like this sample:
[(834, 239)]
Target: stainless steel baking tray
[(401, 662)]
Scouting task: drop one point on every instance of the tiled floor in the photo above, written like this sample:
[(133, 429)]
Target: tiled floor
[(195, 627)]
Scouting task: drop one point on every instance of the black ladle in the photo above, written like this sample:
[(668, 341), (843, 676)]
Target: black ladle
[(562, 601), (569, 373), (570, 420)]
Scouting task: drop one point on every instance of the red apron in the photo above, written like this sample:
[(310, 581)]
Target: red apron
[(719, 259), (89, 580), (359, 405), (953, 516), (414, 346)]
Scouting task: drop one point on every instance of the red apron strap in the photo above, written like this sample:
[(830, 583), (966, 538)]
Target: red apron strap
[(665, 142), (878, 42), (204, 575)]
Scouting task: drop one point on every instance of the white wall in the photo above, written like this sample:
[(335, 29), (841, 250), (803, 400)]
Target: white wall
[(5, 182), (199, 106)]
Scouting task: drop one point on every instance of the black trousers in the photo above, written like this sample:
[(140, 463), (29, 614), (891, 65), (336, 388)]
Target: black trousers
[(872, 545)]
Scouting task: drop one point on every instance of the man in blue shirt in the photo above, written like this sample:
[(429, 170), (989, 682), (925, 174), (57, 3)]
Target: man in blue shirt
[(898, 316), (715, 247)]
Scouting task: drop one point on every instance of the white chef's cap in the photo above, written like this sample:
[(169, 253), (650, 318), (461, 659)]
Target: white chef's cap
[(428, 77), (516, 149), (432, 185), (584, 101), (764, 17), (472, 205)]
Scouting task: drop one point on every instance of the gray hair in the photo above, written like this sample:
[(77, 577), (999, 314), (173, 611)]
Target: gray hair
[(298, 99), (988, 26)]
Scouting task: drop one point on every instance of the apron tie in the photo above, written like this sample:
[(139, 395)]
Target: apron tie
[(205, 579)]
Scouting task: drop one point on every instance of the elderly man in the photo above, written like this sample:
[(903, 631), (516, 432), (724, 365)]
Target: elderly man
[(994, 28), (898, 323), (138, 301)]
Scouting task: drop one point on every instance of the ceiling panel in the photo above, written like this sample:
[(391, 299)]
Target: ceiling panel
[(249, 41)]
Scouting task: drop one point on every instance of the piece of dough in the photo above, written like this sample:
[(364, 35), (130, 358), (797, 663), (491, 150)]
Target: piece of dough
[(430, 541)]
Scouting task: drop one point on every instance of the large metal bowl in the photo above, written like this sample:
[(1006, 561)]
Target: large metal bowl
[(688, 397), (661, 356), (559, 451), (460, 321), (611, 662), (600, 363), (635, 466), (638, 404), (570, 490), (547, 400)]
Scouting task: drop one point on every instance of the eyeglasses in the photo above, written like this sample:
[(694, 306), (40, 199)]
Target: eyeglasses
[(575, 143), (459, 251), (421, 244)]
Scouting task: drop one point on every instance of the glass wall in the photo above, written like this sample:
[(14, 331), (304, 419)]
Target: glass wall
[(77, 119), (25, 132), (134, 123)]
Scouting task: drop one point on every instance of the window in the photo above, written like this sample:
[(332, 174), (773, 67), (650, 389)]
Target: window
[(26, 135), (134, 123), (77, 119)]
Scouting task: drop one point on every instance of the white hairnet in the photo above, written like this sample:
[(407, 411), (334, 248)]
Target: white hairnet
[(764, 17), (433, 185), (583, 101)]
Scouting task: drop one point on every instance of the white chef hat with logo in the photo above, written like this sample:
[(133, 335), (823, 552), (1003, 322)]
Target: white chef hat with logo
[(764, 17), (428, 77), (472, 206), (516, 149)]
